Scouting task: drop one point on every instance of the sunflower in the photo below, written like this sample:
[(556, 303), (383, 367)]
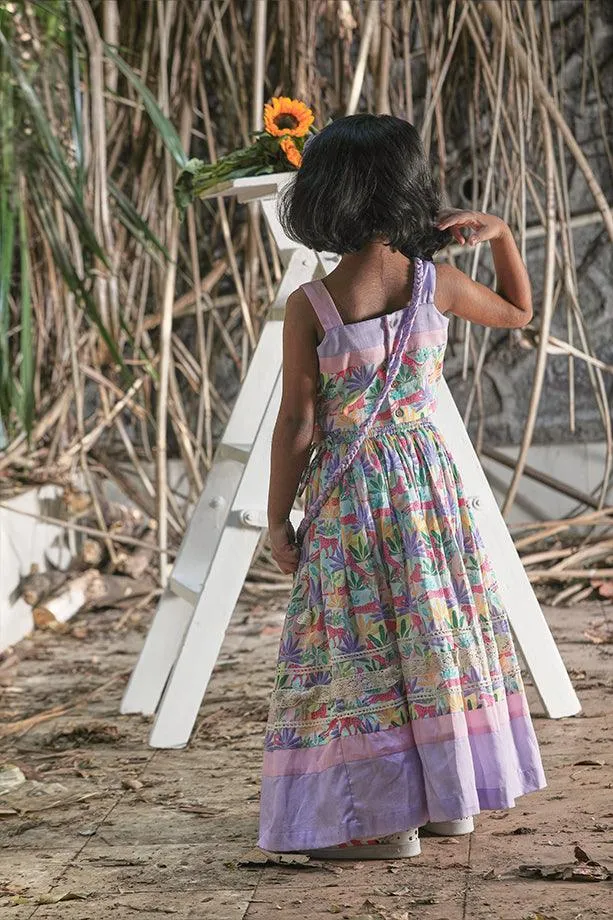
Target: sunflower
[(291, 151), (285, 116)]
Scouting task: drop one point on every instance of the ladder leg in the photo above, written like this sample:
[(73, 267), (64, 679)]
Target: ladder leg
[(206, 526), (204, 635), (203, 639), (157, 657), (527, 620)]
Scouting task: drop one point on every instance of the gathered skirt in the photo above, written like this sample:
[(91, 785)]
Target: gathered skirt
[(398, 697)]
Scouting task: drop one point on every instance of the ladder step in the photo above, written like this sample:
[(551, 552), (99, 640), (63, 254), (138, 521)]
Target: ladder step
[(238, 452), (256, 517), (250, 517), (189, 592)]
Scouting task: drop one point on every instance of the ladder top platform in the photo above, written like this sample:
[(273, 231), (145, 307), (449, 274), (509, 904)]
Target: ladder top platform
[(250, 187)]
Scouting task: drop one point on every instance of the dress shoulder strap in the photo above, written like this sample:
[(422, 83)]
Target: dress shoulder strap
[(428, 283), (322, 303)]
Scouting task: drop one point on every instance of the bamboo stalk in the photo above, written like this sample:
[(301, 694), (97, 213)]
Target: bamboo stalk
[(87, 417), (385, 59), (544, 478), (546, 316), (407, 9), (568, 574), (372, 13), (80, 528), (493, 10), (547, 529)]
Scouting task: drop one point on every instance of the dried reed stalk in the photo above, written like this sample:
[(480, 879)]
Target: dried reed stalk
[(184, 304)]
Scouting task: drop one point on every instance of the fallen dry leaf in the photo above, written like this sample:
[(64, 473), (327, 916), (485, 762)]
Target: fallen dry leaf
[(133, 784), (11, 777), (378, 912), (580, 855), (11, 888), (583, 869), (599, 635), (202, 810), (297, 860), (518, 831), (49, 898), (44, 619), (539, 916), (79, 632), (84, 734), (604, 588)]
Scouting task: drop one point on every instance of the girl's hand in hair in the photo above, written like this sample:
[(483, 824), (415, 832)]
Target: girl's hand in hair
[(478, 227), (510, 306)]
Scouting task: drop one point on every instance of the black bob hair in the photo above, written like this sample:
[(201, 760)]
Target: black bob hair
[(362, 178)]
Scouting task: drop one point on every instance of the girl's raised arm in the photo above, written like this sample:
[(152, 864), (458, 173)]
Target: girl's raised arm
[(511, 307)]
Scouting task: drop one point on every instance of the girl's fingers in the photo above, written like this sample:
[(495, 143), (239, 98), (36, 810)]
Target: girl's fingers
[(462, 220), (288, 568), (286, 558)]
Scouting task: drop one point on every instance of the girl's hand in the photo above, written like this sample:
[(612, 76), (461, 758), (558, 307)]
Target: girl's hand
[(480, 227), (284, 548)]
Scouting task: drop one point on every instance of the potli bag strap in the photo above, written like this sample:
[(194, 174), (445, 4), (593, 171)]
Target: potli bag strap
[(394, 361)]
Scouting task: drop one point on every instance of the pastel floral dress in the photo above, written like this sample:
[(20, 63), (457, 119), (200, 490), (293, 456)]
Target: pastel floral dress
[(398, 697)]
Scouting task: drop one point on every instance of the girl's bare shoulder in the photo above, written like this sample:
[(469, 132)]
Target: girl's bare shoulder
[(299, 313), (298, 300)]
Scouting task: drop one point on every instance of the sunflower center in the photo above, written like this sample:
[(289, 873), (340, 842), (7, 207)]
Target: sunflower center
[(286, 121)]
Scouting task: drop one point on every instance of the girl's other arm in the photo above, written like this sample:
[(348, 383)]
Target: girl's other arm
[(293, 433), (511, 307)]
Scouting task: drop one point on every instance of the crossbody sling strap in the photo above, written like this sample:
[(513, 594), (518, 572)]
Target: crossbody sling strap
[(394, 362)]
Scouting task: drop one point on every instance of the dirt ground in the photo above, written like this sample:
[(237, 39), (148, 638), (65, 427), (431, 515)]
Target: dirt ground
[(104, 826)]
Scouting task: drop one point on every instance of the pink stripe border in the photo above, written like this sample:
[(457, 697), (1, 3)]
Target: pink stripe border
[(334, 364), (434, 730)]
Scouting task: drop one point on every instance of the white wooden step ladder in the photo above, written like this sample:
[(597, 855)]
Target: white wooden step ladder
[(175, 665)]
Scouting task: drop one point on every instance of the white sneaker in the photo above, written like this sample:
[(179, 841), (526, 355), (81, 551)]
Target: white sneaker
[(450, 828), (394, 846)]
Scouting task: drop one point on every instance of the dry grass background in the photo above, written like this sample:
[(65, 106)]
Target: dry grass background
[(125, 335)]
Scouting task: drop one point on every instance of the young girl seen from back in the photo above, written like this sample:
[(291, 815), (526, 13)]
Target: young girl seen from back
[(398, 701)]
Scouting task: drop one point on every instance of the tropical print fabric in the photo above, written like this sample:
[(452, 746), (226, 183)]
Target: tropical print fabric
[(398, 697)]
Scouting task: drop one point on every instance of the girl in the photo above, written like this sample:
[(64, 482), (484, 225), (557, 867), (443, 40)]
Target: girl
[(398, 699)]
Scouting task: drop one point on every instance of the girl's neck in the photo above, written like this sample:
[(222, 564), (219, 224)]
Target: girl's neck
[(370, 282), (374, 257)]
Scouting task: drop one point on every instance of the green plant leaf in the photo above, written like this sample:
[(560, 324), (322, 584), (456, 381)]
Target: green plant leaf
[(133, 221), (7, 236), (7, 233), (74, 83), (69, 195), (75, 284), (34, 105), (26, 340), (165, 128), (56, 162)]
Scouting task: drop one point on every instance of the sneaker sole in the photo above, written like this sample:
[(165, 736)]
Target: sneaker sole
[(450, 828), (374, 851)]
